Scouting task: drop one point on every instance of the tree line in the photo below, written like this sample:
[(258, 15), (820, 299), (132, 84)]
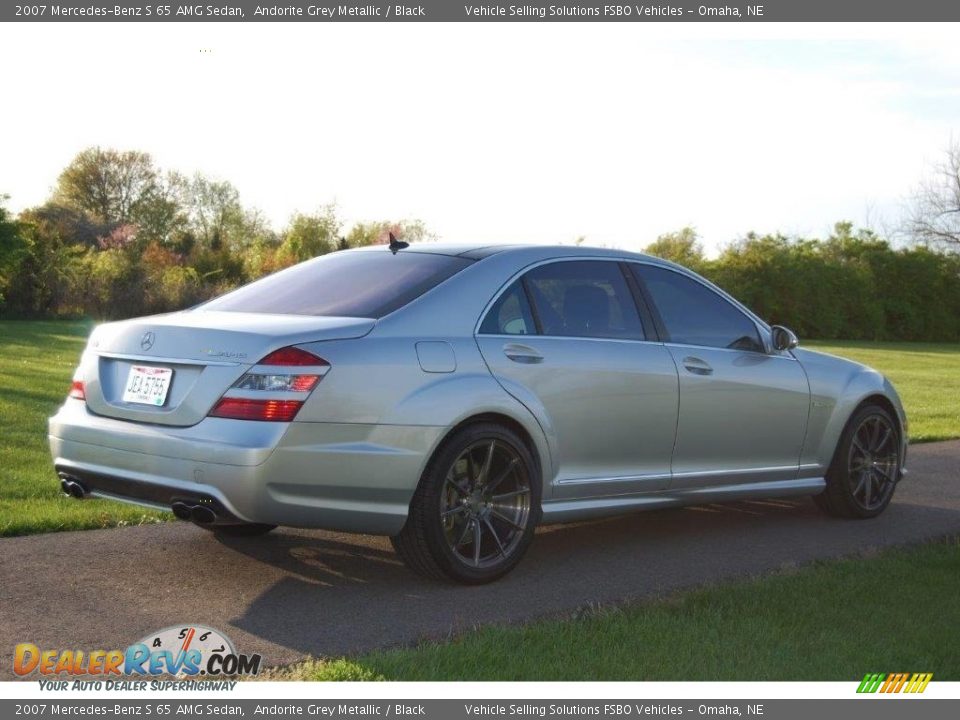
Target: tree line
[(852, 285), (119, 237)]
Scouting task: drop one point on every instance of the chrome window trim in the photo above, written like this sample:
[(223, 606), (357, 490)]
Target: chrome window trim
[(774, 354), (516, 338)]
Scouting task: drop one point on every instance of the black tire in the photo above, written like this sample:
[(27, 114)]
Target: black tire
[(866, 466), (240, 530), (463, 496)]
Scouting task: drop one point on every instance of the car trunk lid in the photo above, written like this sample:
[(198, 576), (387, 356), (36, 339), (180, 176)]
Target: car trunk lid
[(206, 351)]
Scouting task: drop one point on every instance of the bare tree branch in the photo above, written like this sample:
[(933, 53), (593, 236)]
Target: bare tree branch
[(934, 217)]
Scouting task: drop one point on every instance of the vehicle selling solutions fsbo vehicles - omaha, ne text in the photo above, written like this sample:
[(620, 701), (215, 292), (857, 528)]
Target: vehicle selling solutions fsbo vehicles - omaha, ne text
[(455, 397)]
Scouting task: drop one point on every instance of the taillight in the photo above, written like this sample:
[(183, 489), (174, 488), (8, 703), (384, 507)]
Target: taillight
[(77, 390), (246, 409), (290, 373), (292, 356)]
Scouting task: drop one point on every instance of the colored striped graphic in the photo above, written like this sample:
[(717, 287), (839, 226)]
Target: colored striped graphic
[(894, 682)]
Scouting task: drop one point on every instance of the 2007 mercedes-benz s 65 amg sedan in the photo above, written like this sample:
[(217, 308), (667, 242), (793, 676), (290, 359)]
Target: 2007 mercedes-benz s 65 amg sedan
[(455, 397)]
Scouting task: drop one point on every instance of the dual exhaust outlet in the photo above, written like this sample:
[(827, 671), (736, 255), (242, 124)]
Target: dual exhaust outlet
[(200, 514)]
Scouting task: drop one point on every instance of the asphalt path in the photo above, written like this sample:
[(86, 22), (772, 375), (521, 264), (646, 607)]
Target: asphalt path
[(294, 594)]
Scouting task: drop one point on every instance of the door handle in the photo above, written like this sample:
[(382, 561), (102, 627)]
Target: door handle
[(522, 353), (697, 366)]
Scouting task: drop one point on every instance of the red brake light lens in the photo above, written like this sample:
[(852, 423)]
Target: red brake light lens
[(245, 409), (292, 356), (77, 391), (281, 381)]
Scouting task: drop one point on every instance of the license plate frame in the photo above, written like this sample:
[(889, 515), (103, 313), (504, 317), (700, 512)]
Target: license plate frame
[(148, 385)]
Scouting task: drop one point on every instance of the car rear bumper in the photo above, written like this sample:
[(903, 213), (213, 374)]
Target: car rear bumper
[(350, 477)]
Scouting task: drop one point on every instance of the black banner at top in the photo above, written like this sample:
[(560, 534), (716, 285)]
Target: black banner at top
[(480, 11)]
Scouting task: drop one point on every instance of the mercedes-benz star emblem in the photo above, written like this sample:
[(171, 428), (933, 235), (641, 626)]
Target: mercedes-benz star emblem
[(146, 342)]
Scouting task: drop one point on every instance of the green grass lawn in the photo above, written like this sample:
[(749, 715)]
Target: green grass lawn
[(833, 620), (37, 360)]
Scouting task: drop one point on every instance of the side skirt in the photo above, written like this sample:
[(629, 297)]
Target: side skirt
[(559, 511)]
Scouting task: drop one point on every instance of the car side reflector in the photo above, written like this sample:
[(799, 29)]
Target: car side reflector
[(77, 391)]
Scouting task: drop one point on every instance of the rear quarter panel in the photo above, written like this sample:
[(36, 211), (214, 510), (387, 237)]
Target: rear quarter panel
[(379, 381)]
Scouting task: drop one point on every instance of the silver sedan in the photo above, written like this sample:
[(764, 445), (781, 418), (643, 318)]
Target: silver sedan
[(454, 397)]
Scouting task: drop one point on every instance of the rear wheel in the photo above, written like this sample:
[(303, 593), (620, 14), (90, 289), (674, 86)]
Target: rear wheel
[(473, 515), (865, 468)]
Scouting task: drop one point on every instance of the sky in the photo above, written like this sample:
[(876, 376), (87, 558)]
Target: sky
[(502, 132)]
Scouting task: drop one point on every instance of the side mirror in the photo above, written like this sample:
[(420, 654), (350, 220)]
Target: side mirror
[(783, 338)]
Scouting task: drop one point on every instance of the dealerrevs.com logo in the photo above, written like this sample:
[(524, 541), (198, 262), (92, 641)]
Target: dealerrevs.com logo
[(894, 682), (182, 650)]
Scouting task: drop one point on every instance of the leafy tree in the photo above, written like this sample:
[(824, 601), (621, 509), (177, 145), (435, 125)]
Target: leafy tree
[(73, 226), (111, 283), (45, 280), (210, 208), (211, 215), (111, 186), (161, 218), (681, 247), (308, 236), (169, 283), (13, 248)]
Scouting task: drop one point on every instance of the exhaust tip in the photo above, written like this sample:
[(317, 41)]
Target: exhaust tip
[(202, 515), (181, 510), (72, 487)]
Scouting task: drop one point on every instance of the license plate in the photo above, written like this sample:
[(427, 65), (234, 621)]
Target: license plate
[(147, 385)]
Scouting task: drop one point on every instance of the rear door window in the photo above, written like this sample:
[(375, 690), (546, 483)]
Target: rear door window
[(584, 298), (367, 284)]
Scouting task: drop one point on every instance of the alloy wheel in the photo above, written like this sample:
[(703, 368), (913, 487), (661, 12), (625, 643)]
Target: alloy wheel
[(873, 462), (485, 503)]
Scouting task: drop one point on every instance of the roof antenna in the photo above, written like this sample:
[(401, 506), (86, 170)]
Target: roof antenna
[(397, 244)]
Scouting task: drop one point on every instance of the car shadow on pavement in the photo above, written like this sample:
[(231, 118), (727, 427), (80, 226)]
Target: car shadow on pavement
[(340, 595)]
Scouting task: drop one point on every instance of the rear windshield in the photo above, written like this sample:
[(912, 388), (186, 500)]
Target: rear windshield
[(366, 284)]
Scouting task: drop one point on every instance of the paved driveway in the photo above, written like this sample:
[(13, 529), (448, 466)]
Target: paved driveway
[(297, 593)]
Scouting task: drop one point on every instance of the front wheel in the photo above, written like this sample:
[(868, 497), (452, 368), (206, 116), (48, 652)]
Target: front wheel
[(865, 469), (473, 515)]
